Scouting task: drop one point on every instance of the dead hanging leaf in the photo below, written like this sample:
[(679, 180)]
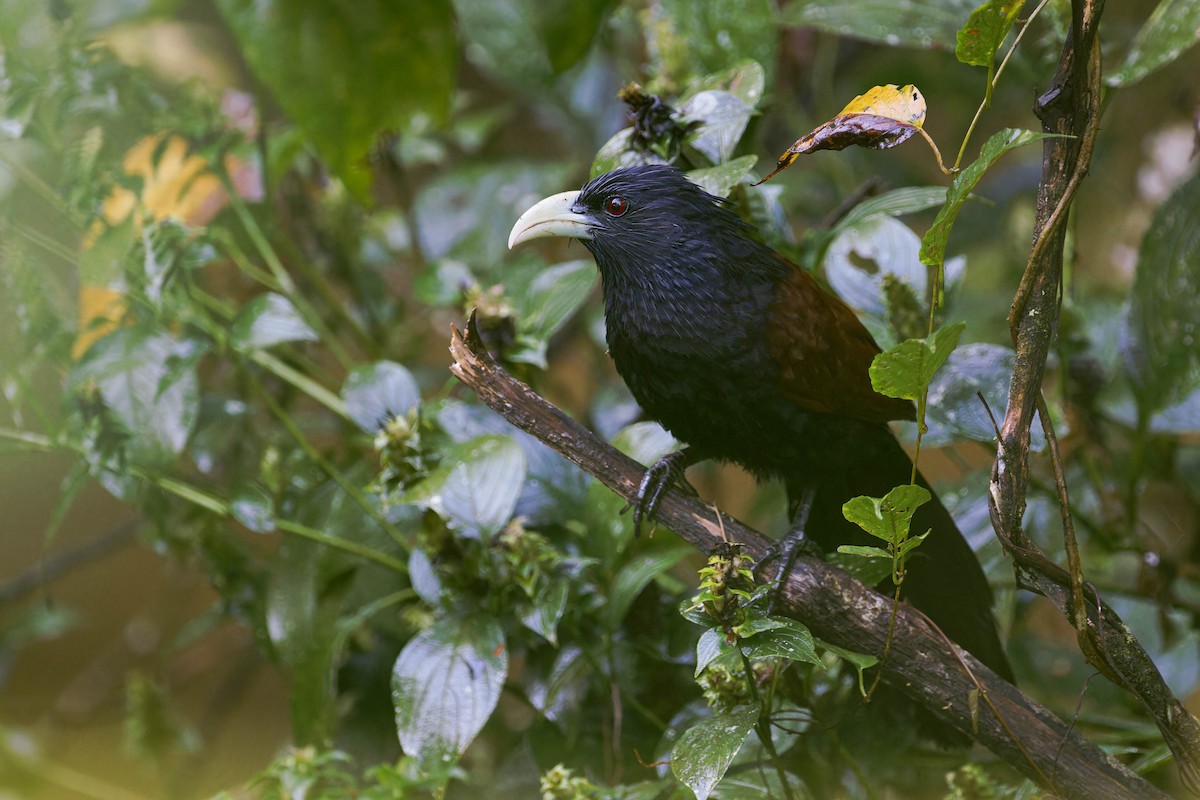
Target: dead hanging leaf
[(881, 118)]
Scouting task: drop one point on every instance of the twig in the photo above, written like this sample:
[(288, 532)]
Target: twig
[(1070, 106)]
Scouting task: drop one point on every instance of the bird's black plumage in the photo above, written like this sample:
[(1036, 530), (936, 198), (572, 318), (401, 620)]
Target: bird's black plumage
[(742, 356)]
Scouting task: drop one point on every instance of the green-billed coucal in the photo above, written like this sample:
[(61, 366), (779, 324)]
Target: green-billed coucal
[(741, 355)]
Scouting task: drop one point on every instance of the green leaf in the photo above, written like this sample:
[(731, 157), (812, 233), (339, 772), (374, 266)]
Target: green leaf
[(953, 408), (1172, 28), (862, 256), (303, 603), (933, 245), (860, 661), (525, 43), (701, 38), (645, 442), (253, 507), (721, 179), (864, 551), (347, 73), (906, 370), (475, 489), (703, 753), (617, 152), (546, 611), (867, 567), (554, 295), (634, 575), (267, 320), (375, 393), (468, 212), (746, 80), (1163, 354), (445, 684), (149, 384), (888, 517), (788, 639), (723, 117), (711, 645), (896, 203), (916, 23), (981, 37)]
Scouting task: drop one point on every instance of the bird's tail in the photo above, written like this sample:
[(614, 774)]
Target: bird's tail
[(944, 578)]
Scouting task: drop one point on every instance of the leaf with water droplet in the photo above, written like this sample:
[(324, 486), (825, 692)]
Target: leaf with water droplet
[(704, 752)]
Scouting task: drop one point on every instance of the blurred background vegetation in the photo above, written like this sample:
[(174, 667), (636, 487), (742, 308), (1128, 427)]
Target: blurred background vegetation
[(249, 522)]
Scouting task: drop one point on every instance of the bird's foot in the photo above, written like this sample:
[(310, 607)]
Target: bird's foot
[(666, 471), (789, 548)]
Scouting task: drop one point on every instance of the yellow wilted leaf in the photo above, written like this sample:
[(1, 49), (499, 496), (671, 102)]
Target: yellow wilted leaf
[(176, 184), (881, 118), (904, 104)]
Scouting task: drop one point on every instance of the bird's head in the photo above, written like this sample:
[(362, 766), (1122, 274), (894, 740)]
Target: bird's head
[(643, 215)]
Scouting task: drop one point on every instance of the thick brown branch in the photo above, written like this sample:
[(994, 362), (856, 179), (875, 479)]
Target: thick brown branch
[(1070, 106), (837, 608)]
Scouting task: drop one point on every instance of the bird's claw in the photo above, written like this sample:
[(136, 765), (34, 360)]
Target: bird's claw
[(667, 470), (787, 549)]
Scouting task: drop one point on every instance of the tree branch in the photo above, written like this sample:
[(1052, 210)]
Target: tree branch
[(837, 608), (1071, 105)]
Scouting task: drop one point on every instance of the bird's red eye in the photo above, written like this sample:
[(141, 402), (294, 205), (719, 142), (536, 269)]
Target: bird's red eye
[(616, 205)]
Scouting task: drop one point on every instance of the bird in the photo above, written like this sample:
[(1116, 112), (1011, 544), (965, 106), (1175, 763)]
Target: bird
[(744, 357)]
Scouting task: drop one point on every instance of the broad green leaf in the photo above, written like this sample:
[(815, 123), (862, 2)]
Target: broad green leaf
[(555, 294), (476, 486), (1172, 28), (981, 37), (954, 410), (888, 517), (863, 551), (547, 609), (691, 38), (906, 370), (721, 179), (148, 382), (467, 212), (618, 152), (375, 393), (1163, 354), (347, 73), (526, 43), (914, 23), (564, 688), (897, 202), (790, 639), (445, 685), (703, 753), (746, 80), (634, 575), (303, 605), (860, 661), (865, 566), (709, 647), (723, 118), (253, 507), (645, 442), (269, 319), (933, 245), (861, 256), (1183, 417)]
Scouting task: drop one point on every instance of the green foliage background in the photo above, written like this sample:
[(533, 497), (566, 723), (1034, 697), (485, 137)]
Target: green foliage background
[(358, 573)]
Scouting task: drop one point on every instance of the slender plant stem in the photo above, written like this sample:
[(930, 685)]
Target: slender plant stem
[(993, 80)]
